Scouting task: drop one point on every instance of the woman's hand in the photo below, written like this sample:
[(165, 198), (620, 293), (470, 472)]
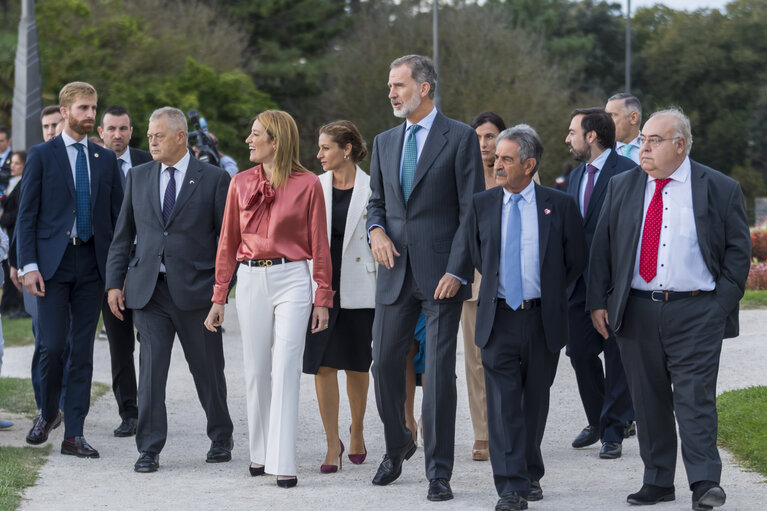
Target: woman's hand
[(320, 318), (215, 317)]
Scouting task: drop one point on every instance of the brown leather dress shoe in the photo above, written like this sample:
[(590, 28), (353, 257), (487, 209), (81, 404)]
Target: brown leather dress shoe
[(41, 427), (77, 446)]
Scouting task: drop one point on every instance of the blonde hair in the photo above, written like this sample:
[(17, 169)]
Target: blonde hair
[(73, 90), (281, 128)]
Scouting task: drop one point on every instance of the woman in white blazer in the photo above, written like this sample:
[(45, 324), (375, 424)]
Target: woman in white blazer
[(346, 343)]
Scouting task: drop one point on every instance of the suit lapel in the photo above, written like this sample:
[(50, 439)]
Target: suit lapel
[(496, 225), (635, 205), (326, 180), (94, 160), (154, 192), (435, 141), (191, 180), (600, 187), (700, 207), (62, 158), (357, 204), (393, 147), (543, 203)]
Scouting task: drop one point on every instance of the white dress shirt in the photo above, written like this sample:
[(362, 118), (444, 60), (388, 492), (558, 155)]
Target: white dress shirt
[(598, 162), (529, 247), (178, 176), (680, 262), (125, 157), (420, 136), (633, 152)]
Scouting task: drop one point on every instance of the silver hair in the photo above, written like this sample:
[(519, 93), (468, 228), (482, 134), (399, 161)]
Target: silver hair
[(630, 102), (530, 145), (681, 124), (176, 118), (421, 70)]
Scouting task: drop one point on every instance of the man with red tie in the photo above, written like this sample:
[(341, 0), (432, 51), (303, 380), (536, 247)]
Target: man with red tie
[(668, 267)]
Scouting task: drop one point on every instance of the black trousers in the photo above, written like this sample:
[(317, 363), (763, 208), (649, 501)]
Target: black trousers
[(158, 323), (519, 372), (674, 344), (121, 347), (393, 330)]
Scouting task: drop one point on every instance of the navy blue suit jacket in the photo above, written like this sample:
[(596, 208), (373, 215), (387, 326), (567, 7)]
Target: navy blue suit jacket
[(49, 205)]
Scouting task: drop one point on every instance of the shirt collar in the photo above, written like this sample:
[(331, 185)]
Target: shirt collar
[(424, 123), (68, 141), (681, 174), (126, 157), (181, 165), (600, 160), (528, 193)]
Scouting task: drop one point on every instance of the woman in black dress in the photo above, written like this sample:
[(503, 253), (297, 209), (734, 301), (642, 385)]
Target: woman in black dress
[(345, 344)]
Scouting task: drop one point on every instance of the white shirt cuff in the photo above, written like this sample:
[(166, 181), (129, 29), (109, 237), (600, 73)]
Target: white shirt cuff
[(28, 268)]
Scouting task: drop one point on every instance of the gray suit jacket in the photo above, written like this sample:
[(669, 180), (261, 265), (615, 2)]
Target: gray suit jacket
[(430, 230), (720, 223), (187, 244)]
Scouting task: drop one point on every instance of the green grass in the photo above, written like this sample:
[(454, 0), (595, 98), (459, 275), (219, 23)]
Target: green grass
[(19, 467), (743, 426), (754, 300), (18, 332), (17, 396)]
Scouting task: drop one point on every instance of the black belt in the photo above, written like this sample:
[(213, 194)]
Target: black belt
[(261, 263), (665, 296), (77, 241), (526, 304)]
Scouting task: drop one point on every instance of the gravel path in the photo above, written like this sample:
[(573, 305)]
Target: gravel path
[(575, 479)]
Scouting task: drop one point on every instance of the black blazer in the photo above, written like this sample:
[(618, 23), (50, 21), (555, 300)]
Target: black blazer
[(139, 156), (430, 230), (720, 223), (615, 164), (48, 204), (562, 251)]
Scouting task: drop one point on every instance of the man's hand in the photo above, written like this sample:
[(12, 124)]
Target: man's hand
[(34, 283), (447, 288), (15, 278), (601, 322), (382, 247), (320, 318), (215, 317), (116, 301)]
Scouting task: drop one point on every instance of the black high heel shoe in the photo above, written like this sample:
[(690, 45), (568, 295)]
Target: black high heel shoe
[(287, 483), (256, 471)]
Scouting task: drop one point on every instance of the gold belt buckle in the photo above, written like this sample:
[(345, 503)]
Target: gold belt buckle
[(264, 262)]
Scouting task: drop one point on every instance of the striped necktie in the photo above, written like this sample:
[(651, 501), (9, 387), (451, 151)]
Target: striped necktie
[(170, 196)]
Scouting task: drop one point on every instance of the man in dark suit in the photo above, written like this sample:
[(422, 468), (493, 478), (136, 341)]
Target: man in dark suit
[(527, 242), (668, 267), (70, 199), (5, 151), (604, 392), (422, 176), (173, 208), (116, 130)]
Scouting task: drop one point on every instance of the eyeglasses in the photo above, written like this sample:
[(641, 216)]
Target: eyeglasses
[(655, 140)]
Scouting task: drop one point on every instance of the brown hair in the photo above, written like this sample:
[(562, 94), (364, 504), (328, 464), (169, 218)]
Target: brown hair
[(343, 133), (281, 128), (73, 90)]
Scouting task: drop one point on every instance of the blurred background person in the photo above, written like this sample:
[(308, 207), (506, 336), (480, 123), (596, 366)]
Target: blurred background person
[(346, 343), (11, 286), (226, 162), (274, 222), (626, 112), (51, 119)]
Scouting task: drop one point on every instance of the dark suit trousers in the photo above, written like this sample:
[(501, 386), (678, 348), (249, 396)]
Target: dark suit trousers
[(121, 347), (158, 323), (70, 306), (519, 371), (604, 391), (676, 343), (393, 330), (30, 305)]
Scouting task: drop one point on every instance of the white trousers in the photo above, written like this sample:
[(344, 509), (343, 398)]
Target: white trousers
[(273, 306)]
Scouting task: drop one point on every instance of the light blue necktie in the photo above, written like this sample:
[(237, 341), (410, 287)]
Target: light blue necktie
[(627, 150), (409, 161), (513, 261), (83, 193)]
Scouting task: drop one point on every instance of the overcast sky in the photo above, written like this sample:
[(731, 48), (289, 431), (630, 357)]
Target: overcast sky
[(689, 5)]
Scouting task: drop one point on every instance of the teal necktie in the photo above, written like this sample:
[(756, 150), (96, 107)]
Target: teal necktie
[(627, 150), (409, 161), (513, 281)]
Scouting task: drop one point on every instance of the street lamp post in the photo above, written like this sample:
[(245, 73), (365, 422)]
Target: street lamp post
[(628, 46), (435, 36), (27, 99)]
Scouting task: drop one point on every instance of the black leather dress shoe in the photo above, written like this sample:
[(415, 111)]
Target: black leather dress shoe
[(439, 489), (511, 502), (589, 435), (77, 446), (147, 462), (630, 429), (650, 494), (220, 451), (536, 492), (287, 483), (391, 468), (707, 495), (126, 428), (41, 427), (610, 451)]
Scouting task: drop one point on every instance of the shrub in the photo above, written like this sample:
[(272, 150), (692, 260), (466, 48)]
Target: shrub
[(757, 276), (759, 243)]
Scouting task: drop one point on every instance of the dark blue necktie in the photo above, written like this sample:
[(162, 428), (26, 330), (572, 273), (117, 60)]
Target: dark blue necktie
[(83, 192), (409, 161), (170, 196)]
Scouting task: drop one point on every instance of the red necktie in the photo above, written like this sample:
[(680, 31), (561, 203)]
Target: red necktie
[(648, 257)]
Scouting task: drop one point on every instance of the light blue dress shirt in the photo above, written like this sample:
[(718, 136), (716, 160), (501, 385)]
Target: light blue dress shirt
[(420, 136), (620, 147)]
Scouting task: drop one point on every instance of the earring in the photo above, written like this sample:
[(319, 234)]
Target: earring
[(346, 157)]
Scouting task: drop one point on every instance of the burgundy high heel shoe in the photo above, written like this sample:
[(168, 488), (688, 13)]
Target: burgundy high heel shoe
[(358, 459), (330, 469)]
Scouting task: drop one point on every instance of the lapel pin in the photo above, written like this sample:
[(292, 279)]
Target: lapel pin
[(191, 181), (546, 211), (95, 155)]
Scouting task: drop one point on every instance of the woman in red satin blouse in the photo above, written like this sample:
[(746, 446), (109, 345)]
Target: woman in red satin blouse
[(274, 223)]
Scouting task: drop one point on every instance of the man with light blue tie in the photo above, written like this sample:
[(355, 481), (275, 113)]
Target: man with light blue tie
[(422, 176), (70, 200), (528, 256), (626, 111)]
